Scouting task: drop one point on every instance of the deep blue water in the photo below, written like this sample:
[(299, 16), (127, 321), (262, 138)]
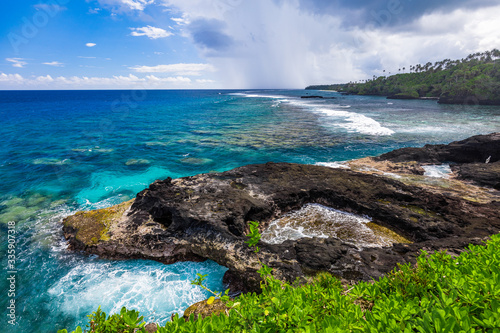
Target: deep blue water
[(64, 151)]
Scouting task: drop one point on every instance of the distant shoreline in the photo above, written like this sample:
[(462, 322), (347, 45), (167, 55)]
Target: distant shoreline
[(473, 80), (443, 99)]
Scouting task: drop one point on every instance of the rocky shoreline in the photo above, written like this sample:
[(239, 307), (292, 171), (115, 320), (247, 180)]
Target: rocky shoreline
[(206, 216), (442, 99)]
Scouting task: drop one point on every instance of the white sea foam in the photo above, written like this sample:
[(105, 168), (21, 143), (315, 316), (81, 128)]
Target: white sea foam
[(278, 98), (314, 220), (355, 122), (334, 165), (150, 287), (351, 121), (417, 128), (392, 175), (437, 171), (259, 95)]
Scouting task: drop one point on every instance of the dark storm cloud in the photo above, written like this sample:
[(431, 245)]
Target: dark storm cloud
[(209, 33), (387, 13), (293, 43)]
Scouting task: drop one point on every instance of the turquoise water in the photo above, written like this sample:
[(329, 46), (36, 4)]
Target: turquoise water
[(64, 151)]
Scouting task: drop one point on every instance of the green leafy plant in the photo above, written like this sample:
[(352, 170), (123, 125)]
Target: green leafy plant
[(254, 235), (127, 321), (437, 294), (199, 281), (253, 239)]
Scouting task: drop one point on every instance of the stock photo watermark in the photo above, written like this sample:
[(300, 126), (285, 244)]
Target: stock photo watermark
[(11, 273), (31, 25)]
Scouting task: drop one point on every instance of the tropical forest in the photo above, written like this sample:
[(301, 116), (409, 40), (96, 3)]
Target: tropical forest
[(471, 80)]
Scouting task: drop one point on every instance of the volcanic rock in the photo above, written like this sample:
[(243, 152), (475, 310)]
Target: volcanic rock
[(475, 158), (206, 217)]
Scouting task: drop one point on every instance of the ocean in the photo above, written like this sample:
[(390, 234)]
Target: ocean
[(66, 151)]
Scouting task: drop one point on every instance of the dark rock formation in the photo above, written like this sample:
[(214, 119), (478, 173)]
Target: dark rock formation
[(448, 98), (471, 150), (469, 156), (403, 96), (487, 174), (316, 96), (206, 217)]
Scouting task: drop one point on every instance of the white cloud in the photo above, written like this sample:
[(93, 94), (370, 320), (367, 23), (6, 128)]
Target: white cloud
[(278, 44), (45, 79), (137, 4), (202, 8), (16, 81), (178, 69), (90, 44), (203, 81), (151, 32), (54, 63), (178, 79), (180, 20), (127, 5), (432, 37), (11, 78), (17, 62), (51, 9)]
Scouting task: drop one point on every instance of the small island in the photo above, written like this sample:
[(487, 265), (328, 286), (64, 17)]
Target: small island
[(474, 80)]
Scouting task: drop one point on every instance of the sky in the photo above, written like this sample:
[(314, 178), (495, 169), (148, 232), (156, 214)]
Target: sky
[(232, 44)]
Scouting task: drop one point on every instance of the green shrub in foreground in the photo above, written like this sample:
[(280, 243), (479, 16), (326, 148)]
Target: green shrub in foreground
[(438, 294)]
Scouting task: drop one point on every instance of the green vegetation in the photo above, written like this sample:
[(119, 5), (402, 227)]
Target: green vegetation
[(124, 322), (438, 294), (472, 80)]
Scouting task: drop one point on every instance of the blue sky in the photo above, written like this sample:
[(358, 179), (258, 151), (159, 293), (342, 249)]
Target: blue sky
[(183, 44)]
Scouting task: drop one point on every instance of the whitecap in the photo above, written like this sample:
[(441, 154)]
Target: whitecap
[(254, 95), (334, 165), (351, 121), (437, 171), (356, 122)]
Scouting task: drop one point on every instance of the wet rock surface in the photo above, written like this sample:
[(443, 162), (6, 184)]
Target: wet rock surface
[(475, 149), (476, 158), (487, 174), (206, 217)]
